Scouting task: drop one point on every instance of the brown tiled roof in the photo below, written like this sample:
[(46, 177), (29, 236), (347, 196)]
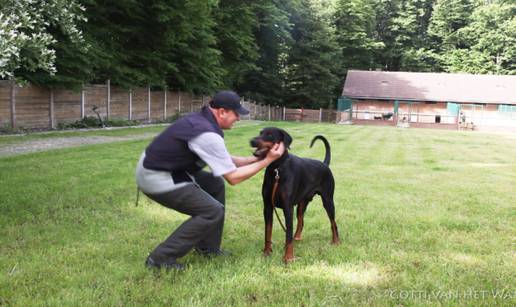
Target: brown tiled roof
[(430, 87)]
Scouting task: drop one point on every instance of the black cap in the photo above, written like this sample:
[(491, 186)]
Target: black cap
[(228, 100)]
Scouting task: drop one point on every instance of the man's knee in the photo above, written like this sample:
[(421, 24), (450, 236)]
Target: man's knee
[(217, 189), (216, 213), (218, 183)]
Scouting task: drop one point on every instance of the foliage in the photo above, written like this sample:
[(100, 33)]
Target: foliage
[(312, 65), (292, 52), (401, 25), (236, 40), (355, 29), (7, 129), (26, 33), (489, 42), (273, 38), (475, 36), (94, 122)]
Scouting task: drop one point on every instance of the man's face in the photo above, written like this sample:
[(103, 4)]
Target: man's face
[(227, 117)]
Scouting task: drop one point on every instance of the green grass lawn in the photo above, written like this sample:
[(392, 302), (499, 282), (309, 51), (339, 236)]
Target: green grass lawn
[(426, 217)]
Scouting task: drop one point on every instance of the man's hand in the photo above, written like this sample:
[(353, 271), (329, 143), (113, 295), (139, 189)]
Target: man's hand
[(249, 170), (275, 152)]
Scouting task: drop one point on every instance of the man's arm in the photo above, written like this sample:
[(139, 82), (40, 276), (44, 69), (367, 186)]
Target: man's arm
[(241, 161), (244, 172)]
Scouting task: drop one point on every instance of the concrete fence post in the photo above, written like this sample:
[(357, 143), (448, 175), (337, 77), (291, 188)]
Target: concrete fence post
[(284, 113), (148, 104), (13, 104), (108, 102), (165, 104), (83, 101), (179, 102), (130, 104), (191, 102), (320, 115), (51, 115)]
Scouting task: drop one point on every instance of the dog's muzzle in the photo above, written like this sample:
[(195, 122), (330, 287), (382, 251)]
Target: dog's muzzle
[(254, 143), (260, 151)]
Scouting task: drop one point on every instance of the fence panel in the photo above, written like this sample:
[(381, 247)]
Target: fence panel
[(172, 103), (5, 104), (157, 105), (95, 95), (119, 104), (32, 107), (311, 115), (140, 104), (67, 106)]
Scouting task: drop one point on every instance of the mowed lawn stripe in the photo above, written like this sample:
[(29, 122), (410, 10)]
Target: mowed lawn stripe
[(419, 211)]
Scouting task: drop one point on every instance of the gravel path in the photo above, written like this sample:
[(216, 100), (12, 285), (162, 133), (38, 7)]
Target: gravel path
[(64, 142)]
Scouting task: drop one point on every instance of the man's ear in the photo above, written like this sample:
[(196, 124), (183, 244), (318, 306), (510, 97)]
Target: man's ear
[(287, 139)]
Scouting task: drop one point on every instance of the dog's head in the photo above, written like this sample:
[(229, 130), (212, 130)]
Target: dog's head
[(267, 138)]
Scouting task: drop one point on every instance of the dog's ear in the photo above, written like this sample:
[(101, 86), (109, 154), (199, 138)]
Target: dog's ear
[(287, 139)]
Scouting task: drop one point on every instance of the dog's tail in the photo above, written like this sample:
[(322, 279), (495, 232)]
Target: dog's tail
[(327, 157)]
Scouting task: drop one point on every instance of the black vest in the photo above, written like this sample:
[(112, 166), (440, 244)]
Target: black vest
[(169, 151)]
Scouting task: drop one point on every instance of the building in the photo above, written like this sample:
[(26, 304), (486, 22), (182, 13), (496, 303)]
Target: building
[(430, 100)]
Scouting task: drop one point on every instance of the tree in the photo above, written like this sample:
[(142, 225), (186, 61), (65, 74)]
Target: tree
[(489, 41), (191, 45), (448, 17), (475, 36), (272, 36), (355, 23), (401, 26), (235, 23), (311, 72), (26, 39)]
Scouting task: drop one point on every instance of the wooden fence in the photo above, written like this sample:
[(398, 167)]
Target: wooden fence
[(33, 107)]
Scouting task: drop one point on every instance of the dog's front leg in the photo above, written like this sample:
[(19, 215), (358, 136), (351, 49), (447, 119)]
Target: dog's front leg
[(267, 214), (289, 242), (300, 220)]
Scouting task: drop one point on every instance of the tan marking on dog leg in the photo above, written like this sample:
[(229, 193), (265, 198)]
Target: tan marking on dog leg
[(267, 250), (289, 253), (300, 222), (335, 234)]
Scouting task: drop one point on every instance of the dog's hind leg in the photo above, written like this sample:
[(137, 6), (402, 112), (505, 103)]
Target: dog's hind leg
[(300, 222), (329, 206)]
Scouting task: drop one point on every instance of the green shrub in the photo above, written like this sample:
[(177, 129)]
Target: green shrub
[(86, 122), (120, 122)]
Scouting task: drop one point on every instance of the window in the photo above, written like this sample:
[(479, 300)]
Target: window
[(504, 108)]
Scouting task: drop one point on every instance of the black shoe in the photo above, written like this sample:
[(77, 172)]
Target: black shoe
[(169, 265), (213, 253)]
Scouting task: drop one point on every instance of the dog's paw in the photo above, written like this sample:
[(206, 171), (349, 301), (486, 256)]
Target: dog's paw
[(297, 238), (267, 252), (335, 241), (288, 260)]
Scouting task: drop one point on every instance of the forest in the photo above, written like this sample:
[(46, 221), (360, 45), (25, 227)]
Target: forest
[(292, 53)]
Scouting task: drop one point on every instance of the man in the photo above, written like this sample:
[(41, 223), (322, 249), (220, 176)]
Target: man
[(170, 173)]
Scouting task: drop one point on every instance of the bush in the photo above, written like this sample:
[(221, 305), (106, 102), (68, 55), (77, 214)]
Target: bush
[(86, 122), (120, 122)]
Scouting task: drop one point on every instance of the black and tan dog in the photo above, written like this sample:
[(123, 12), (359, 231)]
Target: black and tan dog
[(291, 181)]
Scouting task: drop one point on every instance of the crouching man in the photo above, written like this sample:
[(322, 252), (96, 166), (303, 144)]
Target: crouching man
[(170, 173)]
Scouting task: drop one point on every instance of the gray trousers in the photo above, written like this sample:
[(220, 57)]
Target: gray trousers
[(204, 202)]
